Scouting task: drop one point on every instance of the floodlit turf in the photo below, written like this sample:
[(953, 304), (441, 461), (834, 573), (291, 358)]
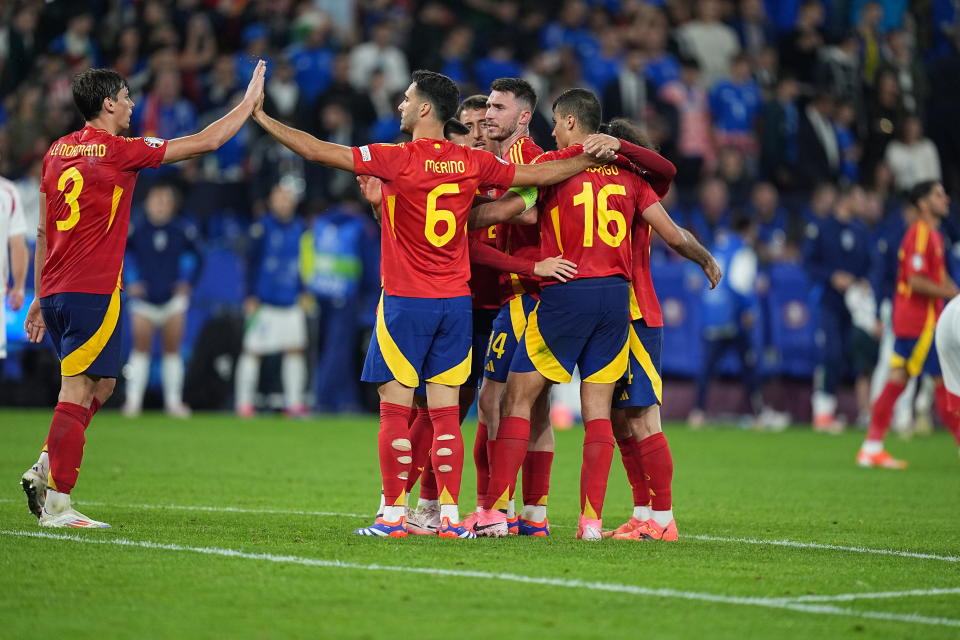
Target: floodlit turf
[(141, 475)]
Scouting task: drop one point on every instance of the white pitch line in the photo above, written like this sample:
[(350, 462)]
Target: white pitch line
[(847, 597), (772, 603), (708, 538)]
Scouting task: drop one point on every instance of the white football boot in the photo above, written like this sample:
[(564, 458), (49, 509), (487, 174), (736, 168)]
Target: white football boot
[(58, 512)]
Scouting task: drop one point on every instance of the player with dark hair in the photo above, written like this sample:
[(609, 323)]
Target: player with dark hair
[(423, 327), (85, 194), (922, 286), (584, 322), (636, 417)]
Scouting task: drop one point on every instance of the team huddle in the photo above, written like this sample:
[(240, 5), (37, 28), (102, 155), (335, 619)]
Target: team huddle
[(500, 264)]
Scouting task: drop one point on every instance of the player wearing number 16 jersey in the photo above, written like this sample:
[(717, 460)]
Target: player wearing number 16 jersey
[(423, 326), (85, 193)]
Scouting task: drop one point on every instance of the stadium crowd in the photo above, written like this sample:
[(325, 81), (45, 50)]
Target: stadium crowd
[(797, 126)]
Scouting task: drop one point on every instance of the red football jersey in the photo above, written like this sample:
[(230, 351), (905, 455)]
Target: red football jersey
[(921, 252), (521, 240), (589, 217), (485, 281), (643, 297), (428, 190), (88, 178)]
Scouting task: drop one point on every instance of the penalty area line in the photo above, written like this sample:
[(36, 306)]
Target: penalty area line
[(636, 590)]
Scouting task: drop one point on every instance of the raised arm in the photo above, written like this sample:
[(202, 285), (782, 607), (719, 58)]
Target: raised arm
[(304, 144), (682, 241), (658, 171), (549, 173), (216, 134)]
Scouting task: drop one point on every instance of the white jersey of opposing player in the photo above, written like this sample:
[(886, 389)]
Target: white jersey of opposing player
[(948, 346), (12, 223)]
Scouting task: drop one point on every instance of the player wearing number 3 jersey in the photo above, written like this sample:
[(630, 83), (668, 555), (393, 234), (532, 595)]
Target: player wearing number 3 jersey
[(423, 329), (85, 194)]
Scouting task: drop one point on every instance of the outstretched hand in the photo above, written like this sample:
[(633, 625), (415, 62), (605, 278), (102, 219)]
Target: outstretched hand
[(601, 146), (370, 188), (712, 270), (254, 92), (557, 267)]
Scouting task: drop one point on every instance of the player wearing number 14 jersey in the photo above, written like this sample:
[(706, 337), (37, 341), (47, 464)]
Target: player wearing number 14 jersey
[(85, 194), (423, 329)]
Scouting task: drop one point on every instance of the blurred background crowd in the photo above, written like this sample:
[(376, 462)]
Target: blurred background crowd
[(792, 123)]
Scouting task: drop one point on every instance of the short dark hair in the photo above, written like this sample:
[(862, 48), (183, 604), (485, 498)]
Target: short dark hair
[(90, 87), (583, 105), (626, 130), (454, 127), (473, 103), (440, 91), (519, 87), (921, 190), (740, 221)]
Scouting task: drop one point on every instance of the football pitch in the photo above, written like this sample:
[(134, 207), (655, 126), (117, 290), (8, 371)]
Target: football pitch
[(231, 528)]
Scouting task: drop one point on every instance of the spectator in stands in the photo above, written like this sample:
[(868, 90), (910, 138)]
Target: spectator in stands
[(733, 170), (601, 69), (711, 213), (710, 41), (884, 114), (838, 70), (729, 314), (694, 141), (312, 60), (161, 266), (836, 257), (911, 75), (844, 123), (341, 91), (626, 95), (780, 146), (453, 59), (128, 59), (734, 105), (276, 322), (798, 48), (771, 221), (283, 95), (868, 36), (22, 48), (498, 63), (568, 32), (662, 67), (27, 131), (76, 45), (220, 85), (911, 157), (818, 150), (199, 51), (766, 72), (379, 53), (256, 46), (754, 29), (339, 258), (164, 112)]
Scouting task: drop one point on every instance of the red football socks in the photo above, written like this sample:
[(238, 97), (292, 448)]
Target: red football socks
[(395, 452), (657, 466), (421, 436), (536, 477), (94, 407), (950, 418), (65, 445), (597, 457), (482, 460), (447, 452), (883, 410), (507, 455), (630, 454), (428, 481)]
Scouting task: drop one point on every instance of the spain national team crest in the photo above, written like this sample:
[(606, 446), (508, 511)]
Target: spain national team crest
[(156, 143)]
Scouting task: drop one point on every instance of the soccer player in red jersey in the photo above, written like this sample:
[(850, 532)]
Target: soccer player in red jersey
[(85, 194), (510, 108), (922, 286), (637, 398), (423, 327), (583, 322)]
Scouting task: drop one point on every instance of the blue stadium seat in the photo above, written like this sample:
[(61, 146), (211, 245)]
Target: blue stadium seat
[(792, 326), (679, 287)]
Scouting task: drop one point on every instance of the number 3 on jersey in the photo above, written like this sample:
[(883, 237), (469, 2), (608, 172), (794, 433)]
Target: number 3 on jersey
[(73, 175), (435, 215)]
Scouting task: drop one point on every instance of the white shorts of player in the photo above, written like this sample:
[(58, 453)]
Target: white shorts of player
[(274, 329), (158, 314), (3, 323), (948, 345)]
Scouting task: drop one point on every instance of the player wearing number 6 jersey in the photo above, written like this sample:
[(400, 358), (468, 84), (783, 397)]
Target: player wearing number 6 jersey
[(85, 194), (423, 329)]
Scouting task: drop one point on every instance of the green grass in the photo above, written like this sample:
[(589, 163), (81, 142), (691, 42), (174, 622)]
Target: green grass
[(795, 485)]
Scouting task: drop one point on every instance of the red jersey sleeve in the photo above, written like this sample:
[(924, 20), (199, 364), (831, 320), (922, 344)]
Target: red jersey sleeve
[(492, 170), (385, 161), (133, 154), (646, 195)]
